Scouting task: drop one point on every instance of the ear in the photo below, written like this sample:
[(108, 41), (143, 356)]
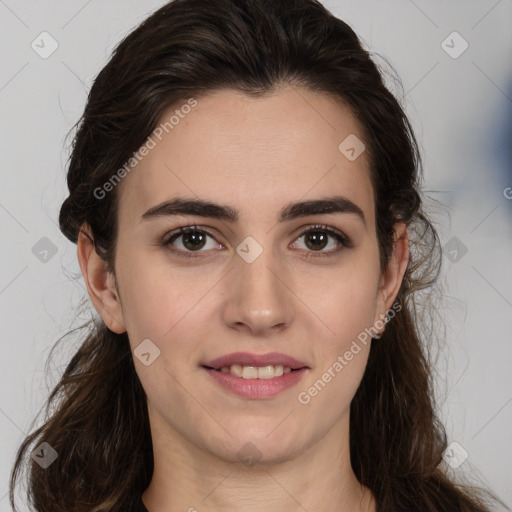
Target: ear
[(391, 280), (100, 283)]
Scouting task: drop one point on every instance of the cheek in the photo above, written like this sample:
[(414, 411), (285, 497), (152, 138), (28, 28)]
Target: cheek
[(342, 356), (331, 389), (347, 302), (158, 299), (347, 306)]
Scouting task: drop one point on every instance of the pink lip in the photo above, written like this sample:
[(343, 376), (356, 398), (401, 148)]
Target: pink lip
[(248, 359), (256, 388)]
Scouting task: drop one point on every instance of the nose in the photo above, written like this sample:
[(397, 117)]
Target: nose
[(258, 296)]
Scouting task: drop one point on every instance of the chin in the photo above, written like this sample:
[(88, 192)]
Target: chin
[(260, 448)]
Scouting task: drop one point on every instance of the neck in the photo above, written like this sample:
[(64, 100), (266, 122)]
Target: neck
[(188, 478)]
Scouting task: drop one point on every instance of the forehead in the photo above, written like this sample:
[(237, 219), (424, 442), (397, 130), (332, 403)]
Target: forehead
[(256, 154)]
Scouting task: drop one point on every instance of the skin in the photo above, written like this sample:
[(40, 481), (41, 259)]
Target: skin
[(255, 155)]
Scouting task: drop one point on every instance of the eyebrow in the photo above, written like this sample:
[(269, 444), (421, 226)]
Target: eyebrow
[(202, 208)]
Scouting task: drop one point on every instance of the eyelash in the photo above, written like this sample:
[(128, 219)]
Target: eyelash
[(342, 239)]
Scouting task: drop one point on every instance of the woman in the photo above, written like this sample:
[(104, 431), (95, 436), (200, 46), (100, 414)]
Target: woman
[(244, 195)]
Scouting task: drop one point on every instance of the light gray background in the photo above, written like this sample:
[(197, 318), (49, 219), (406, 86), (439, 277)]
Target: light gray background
[(462, 113)]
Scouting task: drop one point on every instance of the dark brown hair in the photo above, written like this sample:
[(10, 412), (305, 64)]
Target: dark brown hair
[(186, 49)]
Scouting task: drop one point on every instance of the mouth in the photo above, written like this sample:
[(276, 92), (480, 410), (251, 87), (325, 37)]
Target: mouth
[(255, 372), (255, 383), (255, 376), (248, 365)]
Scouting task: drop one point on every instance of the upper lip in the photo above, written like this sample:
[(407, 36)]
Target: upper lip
[(248, 359)]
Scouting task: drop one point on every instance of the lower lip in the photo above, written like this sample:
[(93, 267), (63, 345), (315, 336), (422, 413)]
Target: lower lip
[(256, 388)]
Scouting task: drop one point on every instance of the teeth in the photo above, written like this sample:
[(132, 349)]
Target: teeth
[(256, 372)]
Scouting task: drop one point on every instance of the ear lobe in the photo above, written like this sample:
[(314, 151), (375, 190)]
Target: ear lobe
[(100, 283), (391, 280)]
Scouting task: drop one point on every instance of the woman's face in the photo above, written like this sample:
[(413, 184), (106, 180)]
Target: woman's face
[(252, 281)]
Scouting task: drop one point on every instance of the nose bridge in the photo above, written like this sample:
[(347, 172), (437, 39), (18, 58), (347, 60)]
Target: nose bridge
[(257, 295)]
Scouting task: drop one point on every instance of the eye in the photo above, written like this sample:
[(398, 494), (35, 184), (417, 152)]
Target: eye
[(191, 239), (317, 238)]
